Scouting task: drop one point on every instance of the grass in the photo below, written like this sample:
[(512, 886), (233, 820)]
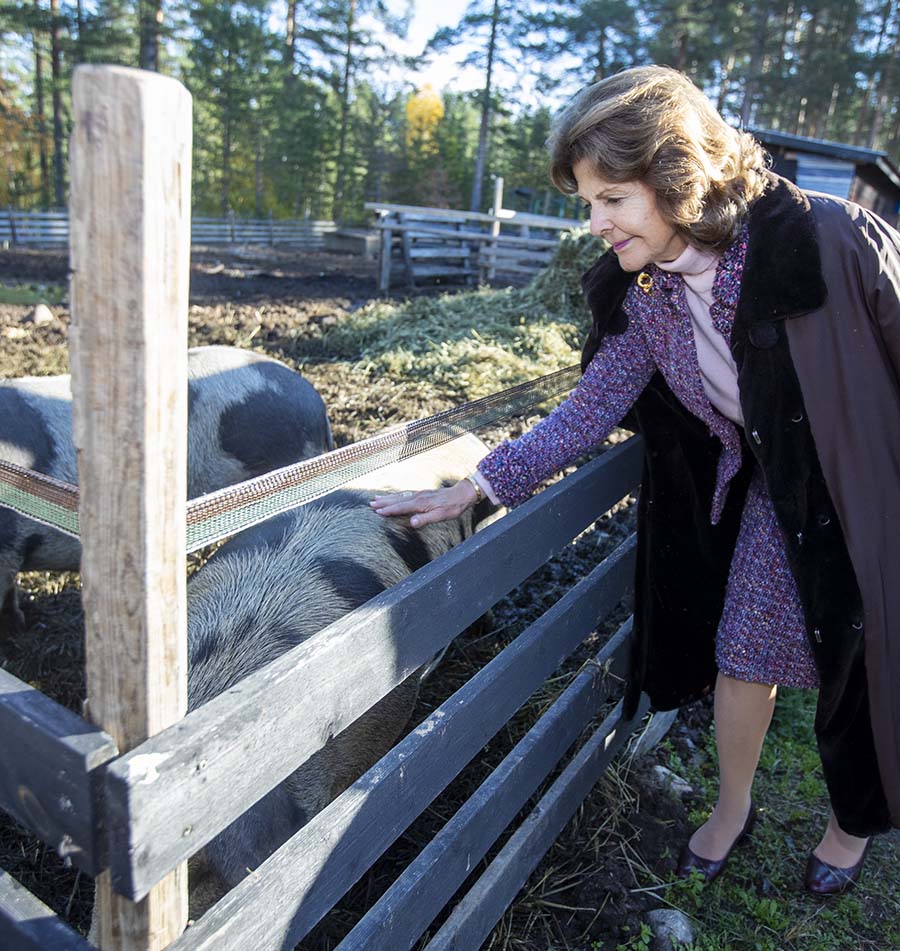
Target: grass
[(30, 294), (759, 902)]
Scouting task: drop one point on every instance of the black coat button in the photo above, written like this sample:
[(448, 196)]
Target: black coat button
[(764, 335), (824, 519)]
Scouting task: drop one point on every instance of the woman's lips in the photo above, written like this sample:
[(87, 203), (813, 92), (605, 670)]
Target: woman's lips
[(621, 244)]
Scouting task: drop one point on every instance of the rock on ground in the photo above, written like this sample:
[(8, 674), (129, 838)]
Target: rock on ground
[(669, 926)]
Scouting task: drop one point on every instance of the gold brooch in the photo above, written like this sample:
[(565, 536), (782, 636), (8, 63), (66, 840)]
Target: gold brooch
[(645, 282)]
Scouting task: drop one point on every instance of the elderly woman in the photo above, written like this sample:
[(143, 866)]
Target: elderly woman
[(751, 332)]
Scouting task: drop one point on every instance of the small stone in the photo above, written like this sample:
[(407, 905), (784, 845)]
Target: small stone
[(657, 727), (669, 926), (40, 315), (664, 778), (15, 333)]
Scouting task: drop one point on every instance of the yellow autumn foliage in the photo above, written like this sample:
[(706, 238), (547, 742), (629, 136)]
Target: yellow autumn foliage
[(424, 111)]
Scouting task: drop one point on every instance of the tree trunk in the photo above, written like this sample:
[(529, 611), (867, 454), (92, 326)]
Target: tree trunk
[(226, 162), (80, 49), (258, 170), (151, 14), (756, 61), (41, 116), (600, 71), (481, 156), (724, 78), (338, 204), (290, 37), (863, 117), (59, 184), (885, 85), (682, 36)]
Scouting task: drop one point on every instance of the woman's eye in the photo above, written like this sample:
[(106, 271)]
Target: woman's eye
[(613, 201)]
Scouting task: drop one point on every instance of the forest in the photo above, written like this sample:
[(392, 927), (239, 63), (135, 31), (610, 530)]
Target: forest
[(308, 110)]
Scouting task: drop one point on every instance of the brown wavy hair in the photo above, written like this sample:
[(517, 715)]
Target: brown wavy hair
[(653, 125)]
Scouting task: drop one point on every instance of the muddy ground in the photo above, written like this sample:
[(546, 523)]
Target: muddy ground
[(584, 895)]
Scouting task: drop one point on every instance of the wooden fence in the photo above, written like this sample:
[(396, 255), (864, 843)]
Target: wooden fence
[(132, 793), (51, 229), (419, 243)]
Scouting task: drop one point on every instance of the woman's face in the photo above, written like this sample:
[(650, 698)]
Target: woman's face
[(625, 214)]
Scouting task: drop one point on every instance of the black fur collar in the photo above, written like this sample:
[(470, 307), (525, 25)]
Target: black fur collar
[(782, 270)]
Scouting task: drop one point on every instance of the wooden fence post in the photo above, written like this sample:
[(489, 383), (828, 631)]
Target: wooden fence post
[(130, 253), (495, 225), (231, 230), (12, 224), (271, 229), (384, 256)]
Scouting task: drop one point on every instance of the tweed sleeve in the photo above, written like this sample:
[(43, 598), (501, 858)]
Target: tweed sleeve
[(613, 380)]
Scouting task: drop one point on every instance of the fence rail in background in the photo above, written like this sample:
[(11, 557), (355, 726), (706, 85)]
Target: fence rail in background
[(47, 229), (419, 243)]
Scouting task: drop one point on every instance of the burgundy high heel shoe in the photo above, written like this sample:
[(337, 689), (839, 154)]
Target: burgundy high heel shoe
[(689, 861), (824, 879)]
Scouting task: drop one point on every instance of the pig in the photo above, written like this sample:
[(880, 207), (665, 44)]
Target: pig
[(247, 414), (277, 584)]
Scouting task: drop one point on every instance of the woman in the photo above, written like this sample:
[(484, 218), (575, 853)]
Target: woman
[(751, 333)]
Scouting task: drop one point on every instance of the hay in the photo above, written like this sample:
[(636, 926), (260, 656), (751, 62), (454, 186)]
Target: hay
[(473, 343)]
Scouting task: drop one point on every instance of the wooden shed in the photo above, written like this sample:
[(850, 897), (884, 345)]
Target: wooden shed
[(865, 176)]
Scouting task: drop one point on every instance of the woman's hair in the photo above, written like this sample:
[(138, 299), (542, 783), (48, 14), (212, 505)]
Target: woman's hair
[(652, 124)]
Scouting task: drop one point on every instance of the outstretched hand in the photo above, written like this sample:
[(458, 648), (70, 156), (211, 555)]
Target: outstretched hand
[(429, 505)]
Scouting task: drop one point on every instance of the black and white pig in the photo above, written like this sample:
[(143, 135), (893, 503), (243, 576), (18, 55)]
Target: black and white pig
[(247, 414), (274, 586)]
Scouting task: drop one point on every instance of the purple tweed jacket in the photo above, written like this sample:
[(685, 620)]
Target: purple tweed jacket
[(660, 337)]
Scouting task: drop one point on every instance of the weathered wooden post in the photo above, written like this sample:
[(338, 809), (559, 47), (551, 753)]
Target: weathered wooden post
[(130, 251), (495, 225)]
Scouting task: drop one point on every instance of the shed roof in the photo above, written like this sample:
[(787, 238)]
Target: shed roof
[(851, 153)]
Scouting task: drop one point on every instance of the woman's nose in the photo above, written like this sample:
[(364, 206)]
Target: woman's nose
[(600, 222)]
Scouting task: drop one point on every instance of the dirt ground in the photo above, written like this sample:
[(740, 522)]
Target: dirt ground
[(584, 894)]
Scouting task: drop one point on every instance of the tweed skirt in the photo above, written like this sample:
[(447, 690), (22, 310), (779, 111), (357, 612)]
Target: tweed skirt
[(762, 637)]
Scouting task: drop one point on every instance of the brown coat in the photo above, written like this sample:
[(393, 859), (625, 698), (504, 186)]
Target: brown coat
[(816, 340), (847, 358)]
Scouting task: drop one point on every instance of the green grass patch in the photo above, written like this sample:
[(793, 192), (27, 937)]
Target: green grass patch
[(759, 903), (30, 294), (472, 343)]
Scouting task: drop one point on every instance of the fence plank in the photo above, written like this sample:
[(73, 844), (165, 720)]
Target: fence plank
[(292, 890), (419, 252), (131, 162), (475, 916), (197, 769), (27, 924), (435, 231), (397, 920), (501, 254), (52, 228), (506, 216), (47, 753)]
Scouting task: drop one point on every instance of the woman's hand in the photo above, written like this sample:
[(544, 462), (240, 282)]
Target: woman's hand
[(429, 505)]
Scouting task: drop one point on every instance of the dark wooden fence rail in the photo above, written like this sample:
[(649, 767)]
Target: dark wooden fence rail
[(169, 796), (27, 924), (291, 891), (198, 769), (48, 754)]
